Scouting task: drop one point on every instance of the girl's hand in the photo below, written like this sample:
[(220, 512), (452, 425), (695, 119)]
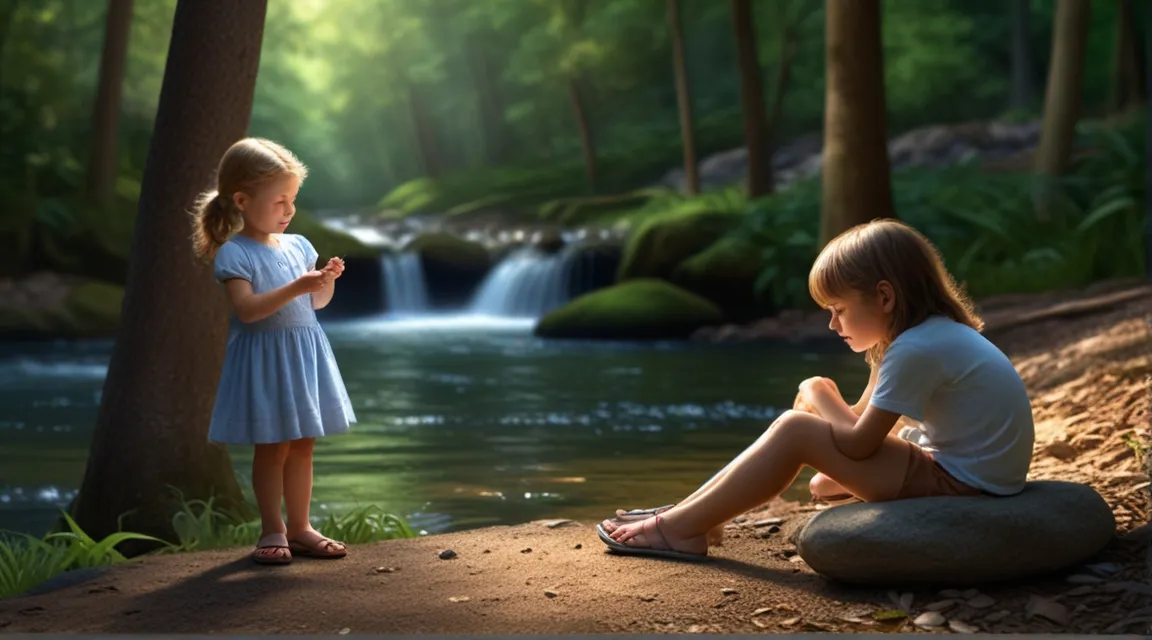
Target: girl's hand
[(312, 282), (335, 267)]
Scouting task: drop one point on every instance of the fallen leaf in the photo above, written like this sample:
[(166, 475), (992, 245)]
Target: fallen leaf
[(961, 627), (1048, 609), (929, 619), (889, 614)]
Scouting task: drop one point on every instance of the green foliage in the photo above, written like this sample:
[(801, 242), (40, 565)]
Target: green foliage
[(26, 562)]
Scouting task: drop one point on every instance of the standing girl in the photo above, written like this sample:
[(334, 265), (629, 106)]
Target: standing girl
[(891, 297), (280, 388)]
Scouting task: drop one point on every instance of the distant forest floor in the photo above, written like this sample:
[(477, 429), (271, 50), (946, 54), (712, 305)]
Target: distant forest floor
[(1086, 367)]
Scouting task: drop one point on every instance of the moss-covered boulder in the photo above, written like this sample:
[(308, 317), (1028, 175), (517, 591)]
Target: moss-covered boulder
[(48, 306), (726, 274), (641, 309), (661, 244), (329, 242), (453, 267)]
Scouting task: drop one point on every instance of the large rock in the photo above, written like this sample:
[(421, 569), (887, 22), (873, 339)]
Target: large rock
[(47, 305), (453, 267), (661, 244), (643, 309), (1048, 526), (726, 274)]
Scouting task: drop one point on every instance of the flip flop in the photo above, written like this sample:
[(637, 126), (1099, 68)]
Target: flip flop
[(635, 515), (624, 549), (838, 499), (319, 548), (267, 543)]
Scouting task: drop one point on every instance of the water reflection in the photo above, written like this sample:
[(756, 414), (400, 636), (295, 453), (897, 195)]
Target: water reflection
[(462, 425)]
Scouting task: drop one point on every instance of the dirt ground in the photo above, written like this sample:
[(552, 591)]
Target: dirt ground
[(1088, 376)]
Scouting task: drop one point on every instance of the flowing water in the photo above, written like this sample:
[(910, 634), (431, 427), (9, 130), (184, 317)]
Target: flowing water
[(463, 422)]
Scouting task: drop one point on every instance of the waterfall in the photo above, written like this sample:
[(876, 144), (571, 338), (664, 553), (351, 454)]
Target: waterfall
[(405, 291), (527, 283)]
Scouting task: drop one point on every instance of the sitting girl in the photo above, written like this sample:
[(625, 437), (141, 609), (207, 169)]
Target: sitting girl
[(890, 297)]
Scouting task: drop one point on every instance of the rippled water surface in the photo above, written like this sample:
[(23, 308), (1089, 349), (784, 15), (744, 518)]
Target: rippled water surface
[(463, 422)]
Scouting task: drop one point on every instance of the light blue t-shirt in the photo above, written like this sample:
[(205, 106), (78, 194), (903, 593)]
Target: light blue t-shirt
[(972, 406)]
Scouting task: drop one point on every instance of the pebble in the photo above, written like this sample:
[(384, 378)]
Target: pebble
[(1048, 609), (968, 594), (998, 616), (558, 523), (940, 605), (951, 593), (728, 591), (550, 593), (579, 546), (345, 631), (447, 554), (929, 619), (648, 598), (961, 627), (386, 569), (526, 550), (768, 522), (1083, 578), (982, 601), (459, 599)]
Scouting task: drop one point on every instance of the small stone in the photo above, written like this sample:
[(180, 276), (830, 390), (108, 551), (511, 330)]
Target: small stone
[(1048, 609), (929, 619), (940, 605), (1083, 578), (1104, 568), (1081, 590), (968, 594), (998, 616), (557, 523), (345, 631), (459, 599), (961, 627), (906, 601), (487, 551), (951, 593), (648, 598), (526, 550), (447, 554), (768, 522), (550, 593), (578, 546), (981, 601), (386, 569), (795, 559), (728, 591)]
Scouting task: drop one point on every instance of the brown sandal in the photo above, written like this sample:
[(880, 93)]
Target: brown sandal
[(318, 546), (272, 541)]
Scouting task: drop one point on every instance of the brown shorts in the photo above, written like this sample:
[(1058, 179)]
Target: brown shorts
[(925, 477)]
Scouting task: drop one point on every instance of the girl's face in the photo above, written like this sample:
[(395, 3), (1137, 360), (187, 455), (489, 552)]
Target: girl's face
[(271, 207), (861, 319)]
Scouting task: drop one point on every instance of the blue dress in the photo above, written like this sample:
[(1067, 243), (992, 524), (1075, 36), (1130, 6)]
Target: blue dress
[(280, 381)]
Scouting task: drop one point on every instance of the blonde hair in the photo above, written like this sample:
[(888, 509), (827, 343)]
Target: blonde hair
[(889, 250), (246, 166)]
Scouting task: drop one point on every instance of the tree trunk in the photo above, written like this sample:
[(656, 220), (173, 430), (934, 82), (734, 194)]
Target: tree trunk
[(783, 76), (1127, 75), (586, 142), (1148, 165), (684, 98), (152, 427), (1061, 98), (425, 132), (856, 181), (494, 133), (752, 101), (1023, 87), (106, 117)]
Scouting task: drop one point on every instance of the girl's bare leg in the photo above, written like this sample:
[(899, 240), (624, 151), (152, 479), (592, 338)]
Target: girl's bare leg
[(766, 469), (298, 501), (268, 485)]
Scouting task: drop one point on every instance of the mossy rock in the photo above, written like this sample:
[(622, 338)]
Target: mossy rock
[(453, 267), (91, 309), (726, 274), (641, 309), (329, 243), (661, 244)]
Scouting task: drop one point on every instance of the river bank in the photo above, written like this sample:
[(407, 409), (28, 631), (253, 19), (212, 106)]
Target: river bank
[(1087, 371)]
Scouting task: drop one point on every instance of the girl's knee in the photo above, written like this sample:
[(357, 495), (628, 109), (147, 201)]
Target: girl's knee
[(301, 447), (275, 452), (822, 485)]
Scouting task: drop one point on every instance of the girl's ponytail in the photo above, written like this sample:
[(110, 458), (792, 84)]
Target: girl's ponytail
[(214, 220)]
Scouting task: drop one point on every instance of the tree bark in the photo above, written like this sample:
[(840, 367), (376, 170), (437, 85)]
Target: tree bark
[(1127, 76), (580, 114), (152, 427), (752, 101), (106, 117), (425, 131), (856, 174), (491, 102), (1062, 97), (684, 99), (1023, 87), (1148, 165)]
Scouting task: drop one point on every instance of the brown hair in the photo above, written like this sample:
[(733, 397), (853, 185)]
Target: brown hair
[(889, 250), (246, 166)]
